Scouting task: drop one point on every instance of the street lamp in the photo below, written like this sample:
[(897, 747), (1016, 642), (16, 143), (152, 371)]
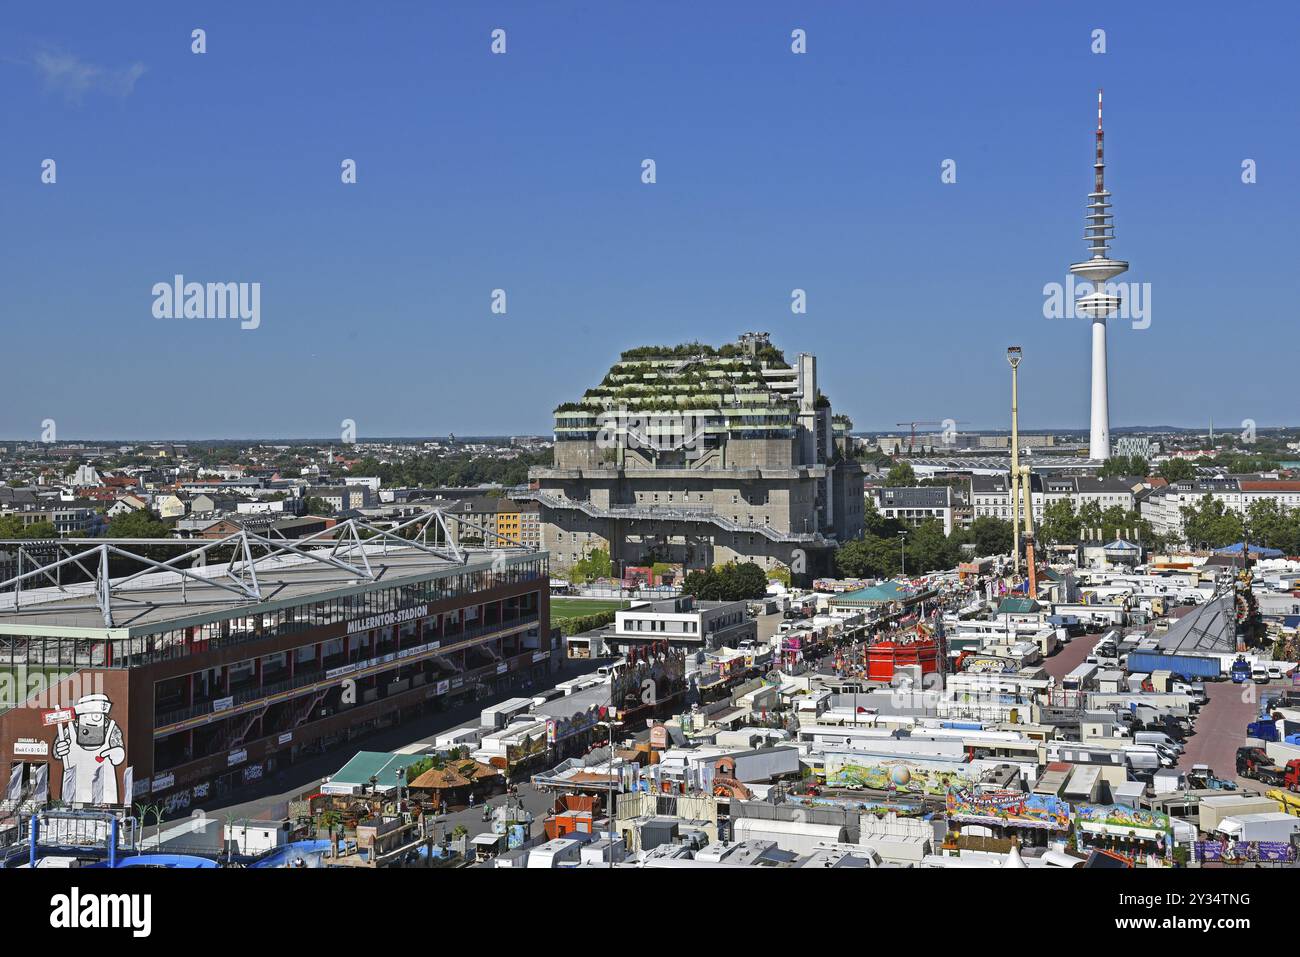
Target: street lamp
[(613, 779), (902, 547)]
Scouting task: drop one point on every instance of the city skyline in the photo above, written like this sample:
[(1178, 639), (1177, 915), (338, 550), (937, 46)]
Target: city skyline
[(776, 172)]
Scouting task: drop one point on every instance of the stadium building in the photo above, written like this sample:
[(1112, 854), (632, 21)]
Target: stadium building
[(184, 677)]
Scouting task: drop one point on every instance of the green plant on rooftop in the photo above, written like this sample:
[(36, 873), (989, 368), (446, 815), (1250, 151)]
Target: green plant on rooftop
[(684, 350), (765, 352)]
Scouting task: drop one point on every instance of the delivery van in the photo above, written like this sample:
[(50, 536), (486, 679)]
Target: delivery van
[(1157, 737)]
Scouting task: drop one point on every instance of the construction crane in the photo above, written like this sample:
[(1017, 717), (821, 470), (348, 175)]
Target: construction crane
[(911, 444)]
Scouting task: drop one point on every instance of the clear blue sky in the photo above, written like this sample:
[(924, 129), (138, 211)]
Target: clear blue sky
[(522, 172)]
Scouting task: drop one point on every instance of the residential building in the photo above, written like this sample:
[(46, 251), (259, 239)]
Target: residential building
[(71, 520), (990, 495), (1163, 507), (342, 498), (913, 505), (1136, 445), (684, 622)]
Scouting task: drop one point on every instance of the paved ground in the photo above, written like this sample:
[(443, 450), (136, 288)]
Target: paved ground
[(1221, 729), (1071, 656)]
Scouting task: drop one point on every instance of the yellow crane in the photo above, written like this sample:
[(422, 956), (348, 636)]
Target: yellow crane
[(1290, 803)]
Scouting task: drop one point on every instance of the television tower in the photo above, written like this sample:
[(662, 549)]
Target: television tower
[(1099, 304)]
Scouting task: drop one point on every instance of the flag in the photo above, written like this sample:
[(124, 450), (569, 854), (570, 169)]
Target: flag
[(15, 790), (41, 783), (128, 785), (69, 783)]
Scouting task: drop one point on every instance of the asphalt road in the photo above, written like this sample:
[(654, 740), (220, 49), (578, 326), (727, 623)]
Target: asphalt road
[(1071, 656)]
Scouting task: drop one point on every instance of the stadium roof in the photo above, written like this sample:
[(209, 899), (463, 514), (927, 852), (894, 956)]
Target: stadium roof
[(263, 575)]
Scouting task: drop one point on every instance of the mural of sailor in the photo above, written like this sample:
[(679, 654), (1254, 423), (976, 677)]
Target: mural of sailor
[(90, 747)]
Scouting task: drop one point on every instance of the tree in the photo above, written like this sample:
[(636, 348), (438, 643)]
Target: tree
[(991, 536), (871, 556), (591, 567), (729, 582), (744, 582), (318, 506), (11, 526), (928, 549), (876, 524), (1059, 523), (138, 523), (1123, 466), (1176, 470), (852, 560), (1273, 525), (1211, 523), (703, 583), (901, 474)]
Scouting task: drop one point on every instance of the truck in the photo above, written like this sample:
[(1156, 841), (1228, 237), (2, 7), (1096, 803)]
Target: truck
[(1240, 671), (1082, 678), (1275, 826), (1255, 763), (1073, 627), (1202, 778), (1263, 729), (1185, 667), (499, 715)]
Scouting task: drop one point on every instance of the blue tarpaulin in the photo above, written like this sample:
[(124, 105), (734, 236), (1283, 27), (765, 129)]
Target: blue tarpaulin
[(1259, 550)]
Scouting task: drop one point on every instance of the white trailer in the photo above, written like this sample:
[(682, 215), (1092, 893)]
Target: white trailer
[(499, 715), (1266, 826)]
